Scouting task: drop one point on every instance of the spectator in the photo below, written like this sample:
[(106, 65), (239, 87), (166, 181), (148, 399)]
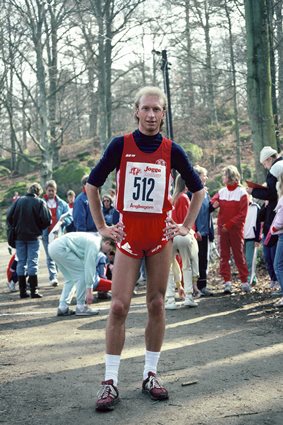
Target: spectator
[(108, 209), (76, 257), (271, 161), (203, 229), (277, 229), (30, 216), (101, 282), (11, 272), (252, 238), (57, 207), (110, 264), (71, 196), (16, 196), (186, 247), (83, 220), (232, 201)]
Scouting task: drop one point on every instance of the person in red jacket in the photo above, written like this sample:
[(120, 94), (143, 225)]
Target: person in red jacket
[(232, 201)]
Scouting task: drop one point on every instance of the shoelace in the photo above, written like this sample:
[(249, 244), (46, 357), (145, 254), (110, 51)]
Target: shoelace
[(154, 383), (106, 390)]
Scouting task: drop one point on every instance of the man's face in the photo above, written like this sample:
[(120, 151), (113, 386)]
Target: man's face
[(50, 192), (268, 163), (150, 114)]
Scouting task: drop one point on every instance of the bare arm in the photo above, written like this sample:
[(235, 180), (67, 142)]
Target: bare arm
[(172, 229), (114, 232)]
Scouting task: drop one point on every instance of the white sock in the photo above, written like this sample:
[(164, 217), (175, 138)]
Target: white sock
[(112, 363), (151, 361)]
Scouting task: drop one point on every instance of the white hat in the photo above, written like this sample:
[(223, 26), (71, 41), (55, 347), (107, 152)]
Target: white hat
[(266, 153)]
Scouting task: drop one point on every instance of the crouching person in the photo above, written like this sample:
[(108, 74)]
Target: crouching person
[(75, 254)]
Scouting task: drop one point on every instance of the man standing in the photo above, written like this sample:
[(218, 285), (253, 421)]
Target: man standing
[(83, 220), (57, 207), (29, 215), (143, 161), (272, 162)]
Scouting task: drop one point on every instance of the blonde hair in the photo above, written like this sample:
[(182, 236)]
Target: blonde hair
[(149, 91), (232, 173), (200, 170), (279, 186), (51, 183), (180, 186)]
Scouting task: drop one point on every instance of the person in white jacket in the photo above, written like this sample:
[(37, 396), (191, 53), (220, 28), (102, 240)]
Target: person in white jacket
[(252, 239), (277, 229), (75, 254)]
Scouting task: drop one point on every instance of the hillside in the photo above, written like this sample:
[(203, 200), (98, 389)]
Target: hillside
[(77, 158)]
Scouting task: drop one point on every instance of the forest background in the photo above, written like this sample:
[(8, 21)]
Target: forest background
[(69, 70)]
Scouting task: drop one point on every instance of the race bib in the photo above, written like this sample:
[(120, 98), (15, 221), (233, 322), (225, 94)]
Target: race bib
[(144, 187)]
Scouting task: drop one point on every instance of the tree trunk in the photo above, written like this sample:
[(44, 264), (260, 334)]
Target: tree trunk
[(102, 109), (10, 105), (279, 34), (259, 79), (52, 52), (270, 14), (234, 88), (93, 102), (45, 138), (209, 76), (108, 70), (191, 95)]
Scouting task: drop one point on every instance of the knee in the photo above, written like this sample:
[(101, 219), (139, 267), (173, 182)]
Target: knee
[(156, 305), (119, 309)]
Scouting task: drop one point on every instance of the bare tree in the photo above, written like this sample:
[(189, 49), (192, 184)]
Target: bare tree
[(259, 78), (234, 84), (279, 47), (112, 18)]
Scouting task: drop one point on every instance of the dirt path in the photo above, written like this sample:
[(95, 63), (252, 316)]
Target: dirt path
[(231, 347)]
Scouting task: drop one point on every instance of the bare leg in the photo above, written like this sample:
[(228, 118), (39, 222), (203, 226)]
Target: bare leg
[(124, 278), (157, 276)]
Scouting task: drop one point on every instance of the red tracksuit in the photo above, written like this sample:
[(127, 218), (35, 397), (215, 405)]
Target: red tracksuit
[(233, 208)]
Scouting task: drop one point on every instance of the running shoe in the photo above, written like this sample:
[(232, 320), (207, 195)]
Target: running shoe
[(67, 312), (246, 287), (227, 288), (154, 388), (189, 301), (170, 303), (107, 396), (86, 311)]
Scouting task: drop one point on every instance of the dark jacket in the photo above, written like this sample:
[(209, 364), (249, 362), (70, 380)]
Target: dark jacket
[(108, 215), (29, 215), (269, 194)]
